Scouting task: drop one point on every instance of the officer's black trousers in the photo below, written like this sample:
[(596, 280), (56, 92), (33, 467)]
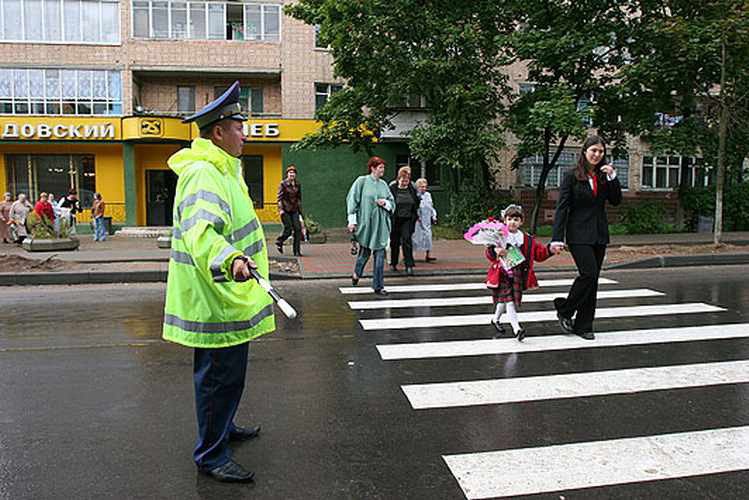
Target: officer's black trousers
[(219, 377)]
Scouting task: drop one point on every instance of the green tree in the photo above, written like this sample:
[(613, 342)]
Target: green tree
[(448, 52), (689, 61), (574, 52)]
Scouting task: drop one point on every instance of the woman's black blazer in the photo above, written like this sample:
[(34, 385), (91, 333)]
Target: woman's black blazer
[(580, 217)]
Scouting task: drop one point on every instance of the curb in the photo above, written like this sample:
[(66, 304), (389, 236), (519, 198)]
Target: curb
[(97, 278), (112, 277), (684, 261)]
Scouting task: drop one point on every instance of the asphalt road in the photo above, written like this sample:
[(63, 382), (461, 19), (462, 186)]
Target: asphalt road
[(94, 405)]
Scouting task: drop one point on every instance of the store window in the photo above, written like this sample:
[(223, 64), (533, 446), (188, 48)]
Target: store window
[(206, 20), (669, 172), (323, 91), (186, 99), (252, 167), (58, 174), (56, 92), (428, 170), (530, 169), (83, 21)]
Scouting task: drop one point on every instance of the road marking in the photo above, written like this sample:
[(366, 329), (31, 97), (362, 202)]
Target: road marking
[(529, 471), (456, 348), (574, 385), (487, 299), (527, 317), (454, 287)]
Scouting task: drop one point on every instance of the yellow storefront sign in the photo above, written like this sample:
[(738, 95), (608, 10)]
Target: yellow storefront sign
[(60, 129)]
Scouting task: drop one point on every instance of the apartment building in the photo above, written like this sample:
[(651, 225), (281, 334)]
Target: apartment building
[(92, 93)]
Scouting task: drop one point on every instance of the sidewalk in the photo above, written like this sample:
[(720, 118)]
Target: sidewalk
[(139, 259)]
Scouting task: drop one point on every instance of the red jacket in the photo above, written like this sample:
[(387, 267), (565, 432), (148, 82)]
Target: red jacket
[(44, 208), (539, 253)]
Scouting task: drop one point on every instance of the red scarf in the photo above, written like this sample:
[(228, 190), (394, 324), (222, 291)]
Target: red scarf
[(595, 184)]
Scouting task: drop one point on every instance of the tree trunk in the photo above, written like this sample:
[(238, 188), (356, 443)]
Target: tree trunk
[(541, 187), (721, 173)]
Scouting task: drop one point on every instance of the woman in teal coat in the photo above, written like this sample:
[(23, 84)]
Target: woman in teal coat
[(370, 205)]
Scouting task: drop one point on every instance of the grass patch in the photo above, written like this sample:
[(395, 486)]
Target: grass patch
[(443, 232)]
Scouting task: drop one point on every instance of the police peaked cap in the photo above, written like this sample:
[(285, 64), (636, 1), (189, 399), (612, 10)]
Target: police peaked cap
[(226, 106)]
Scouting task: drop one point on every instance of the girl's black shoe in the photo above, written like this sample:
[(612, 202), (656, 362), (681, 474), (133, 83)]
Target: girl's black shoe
[(500, 329), (520, 334)]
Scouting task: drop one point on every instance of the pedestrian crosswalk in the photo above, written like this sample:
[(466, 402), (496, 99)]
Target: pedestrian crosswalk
[(448, 312)]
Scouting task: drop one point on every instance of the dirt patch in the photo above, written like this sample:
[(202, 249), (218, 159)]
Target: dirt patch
[(708, 248), (19, 264), (283, 266)]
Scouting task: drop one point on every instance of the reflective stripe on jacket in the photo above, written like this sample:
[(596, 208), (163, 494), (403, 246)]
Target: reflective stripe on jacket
[(214, 222)]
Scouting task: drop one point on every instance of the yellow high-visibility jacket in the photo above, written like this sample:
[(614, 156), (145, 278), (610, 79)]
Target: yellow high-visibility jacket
[(214, 222)]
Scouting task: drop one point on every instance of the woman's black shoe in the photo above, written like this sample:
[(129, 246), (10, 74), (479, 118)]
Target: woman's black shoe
[(586, 335), (410, 271), (354, 281), (520, 334), (279, 246), (381, 291)]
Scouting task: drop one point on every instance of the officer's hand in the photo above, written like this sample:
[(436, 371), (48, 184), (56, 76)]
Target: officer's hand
[(240, 268)]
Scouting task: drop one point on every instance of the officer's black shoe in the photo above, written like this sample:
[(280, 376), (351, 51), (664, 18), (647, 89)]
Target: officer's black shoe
[(230, 472), (244, 433), (586, 335)]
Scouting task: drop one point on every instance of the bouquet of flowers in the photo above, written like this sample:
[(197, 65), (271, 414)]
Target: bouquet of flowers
[(488, 232), (493, 232)]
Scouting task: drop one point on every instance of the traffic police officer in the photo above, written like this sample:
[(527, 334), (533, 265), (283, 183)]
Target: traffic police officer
[(212, 305)]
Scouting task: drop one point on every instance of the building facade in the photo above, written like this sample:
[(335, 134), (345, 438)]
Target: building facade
[(92, 93)]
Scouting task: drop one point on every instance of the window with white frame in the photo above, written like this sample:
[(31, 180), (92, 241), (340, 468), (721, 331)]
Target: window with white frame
[(669, 172), (323, 91), (250, 98), (530, 169), (70, 21), (60, 92), (206, 20)]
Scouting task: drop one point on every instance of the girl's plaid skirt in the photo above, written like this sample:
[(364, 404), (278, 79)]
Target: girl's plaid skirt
[(510, 289)]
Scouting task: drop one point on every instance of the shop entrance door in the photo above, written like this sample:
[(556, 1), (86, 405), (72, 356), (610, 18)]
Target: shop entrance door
[(161, 186)]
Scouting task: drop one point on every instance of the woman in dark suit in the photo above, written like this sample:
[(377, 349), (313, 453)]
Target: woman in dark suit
[(580, 222)]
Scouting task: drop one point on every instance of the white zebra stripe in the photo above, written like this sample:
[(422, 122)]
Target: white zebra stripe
[(487, 299), (526, 317), (482, 347), (454, 287), (529, 471), (574, 385)]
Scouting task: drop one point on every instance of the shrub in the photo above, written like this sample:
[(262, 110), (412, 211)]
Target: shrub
[(646, 218), (472, 203), (701, 202)]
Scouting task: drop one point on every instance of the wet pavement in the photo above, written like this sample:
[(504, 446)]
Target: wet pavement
[(94, 405)]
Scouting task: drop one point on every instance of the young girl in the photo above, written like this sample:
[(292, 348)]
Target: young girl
[(507, 284)]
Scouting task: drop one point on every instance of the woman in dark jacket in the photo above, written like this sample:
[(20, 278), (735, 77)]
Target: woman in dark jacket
[(404, 219), (290, 210), (580, 221)]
